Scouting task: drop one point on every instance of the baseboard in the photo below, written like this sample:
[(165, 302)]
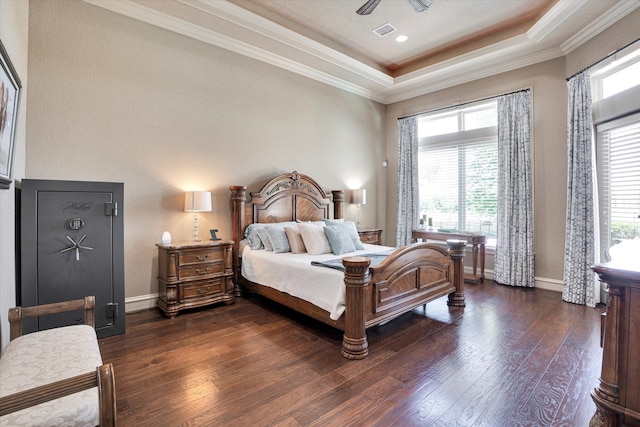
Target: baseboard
[(141, 302), (549, 284), (539, 282)]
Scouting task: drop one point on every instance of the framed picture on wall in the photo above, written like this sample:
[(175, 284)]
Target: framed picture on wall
[(9, 101)]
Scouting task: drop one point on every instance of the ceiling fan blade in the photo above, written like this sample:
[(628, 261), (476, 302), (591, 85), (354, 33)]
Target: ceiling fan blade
[(368, 7), (420, 5)]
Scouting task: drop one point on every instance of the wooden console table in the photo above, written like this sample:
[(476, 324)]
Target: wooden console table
[(477, 241), (617, 396)]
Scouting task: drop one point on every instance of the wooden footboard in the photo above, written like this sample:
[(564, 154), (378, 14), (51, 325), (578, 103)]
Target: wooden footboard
[(408, 278)]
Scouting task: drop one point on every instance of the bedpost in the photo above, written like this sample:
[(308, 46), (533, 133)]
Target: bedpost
[(356, 279), (238, 199), (457, 252), (338, 199)]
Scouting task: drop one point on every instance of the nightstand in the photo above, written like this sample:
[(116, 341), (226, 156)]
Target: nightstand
[(370, 235), (194, 274)]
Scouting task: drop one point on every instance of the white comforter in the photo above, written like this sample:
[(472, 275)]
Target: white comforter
[(294, 274)]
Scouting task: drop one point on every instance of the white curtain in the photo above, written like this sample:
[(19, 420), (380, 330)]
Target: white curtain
[(579, 247), (408, 192), (514, 256)]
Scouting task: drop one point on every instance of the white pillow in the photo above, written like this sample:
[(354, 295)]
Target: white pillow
[(314, 238)]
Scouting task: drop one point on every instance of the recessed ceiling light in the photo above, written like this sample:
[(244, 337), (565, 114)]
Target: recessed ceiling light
[(401, 39)]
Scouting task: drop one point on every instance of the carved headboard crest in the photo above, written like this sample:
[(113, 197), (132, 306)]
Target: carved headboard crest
[(294, 183)]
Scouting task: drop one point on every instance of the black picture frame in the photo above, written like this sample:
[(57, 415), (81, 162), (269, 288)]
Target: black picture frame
[(10, 90)]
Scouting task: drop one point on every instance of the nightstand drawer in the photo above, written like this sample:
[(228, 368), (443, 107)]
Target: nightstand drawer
[(201, 255), (201, 289), (201, 271), (371, 236)]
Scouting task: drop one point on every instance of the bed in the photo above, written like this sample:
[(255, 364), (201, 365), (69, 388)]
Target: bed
[(409, 277)]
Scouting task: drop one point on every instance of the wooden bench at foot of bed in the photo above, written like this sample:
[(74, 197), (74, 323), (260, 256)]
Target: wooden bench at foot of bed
[(56, 376)]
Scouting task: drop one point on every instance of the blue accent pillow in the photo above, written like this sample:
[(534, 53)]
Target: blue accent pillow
[(352, 230), (339, 240)]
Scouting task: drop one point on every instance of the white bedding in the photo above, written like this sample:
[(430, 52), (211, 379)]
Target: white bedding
[(294, 274)]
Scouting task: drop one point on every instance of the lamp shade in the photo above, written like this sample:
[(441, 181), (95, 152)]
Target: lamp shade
[(359, 196), (197, 201)]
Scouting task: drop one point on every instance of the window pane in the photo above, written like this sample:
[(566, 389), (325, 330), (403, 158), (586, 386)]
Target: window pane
[(437, 126), (621, 80), (459, 187), (438, 177), (618, 164), (624, 146), (480, 118), (481, 172)]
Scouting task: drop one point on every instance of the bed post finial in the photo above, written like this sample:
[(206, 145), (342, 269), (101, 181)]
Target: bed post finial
[(338, 200), (457, 252), (356, 279)]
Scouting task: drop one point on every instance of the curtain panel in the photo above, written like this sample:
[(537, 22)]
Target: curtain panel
[(579, 249), (408, 190), (514, 256)]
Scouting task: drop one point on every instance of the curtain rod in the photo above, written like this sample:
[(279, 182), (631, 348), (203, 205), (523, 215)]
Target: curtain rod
[(615, 52), (463, 103)]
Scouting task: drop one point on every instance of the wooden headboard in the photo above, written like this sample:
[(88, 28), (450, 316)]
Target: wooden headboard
[(287, 197)]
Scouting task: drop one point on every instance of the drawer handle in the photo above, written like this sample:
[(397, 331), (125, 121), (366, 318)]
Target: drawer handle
[(202, 292), (206, 270), (202, 258)]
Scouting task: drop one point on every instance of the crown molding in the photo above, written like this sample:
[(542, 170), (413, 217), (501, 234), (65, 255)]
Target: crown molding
[(264, 27), (554, 18), (362, 79), (185, 28), (502, 57), (613, 15)]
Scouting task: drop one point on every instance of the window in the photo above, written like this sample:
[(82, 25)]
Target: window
[(617, 75), (618, 164), (616, 91), (458, 168)]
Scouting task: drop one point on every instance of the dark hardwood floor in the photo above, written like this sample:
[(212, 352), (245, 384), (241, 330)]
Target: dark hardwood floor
[(512, 357)]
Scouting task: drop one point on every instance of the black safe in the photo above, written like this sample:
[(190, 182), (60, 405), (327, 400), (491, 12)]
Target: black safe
[(72, 245)]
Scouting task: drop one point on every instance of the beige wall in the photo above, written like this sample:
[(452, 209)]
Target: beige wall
[(14, 22), (113, 99), (548, 84)]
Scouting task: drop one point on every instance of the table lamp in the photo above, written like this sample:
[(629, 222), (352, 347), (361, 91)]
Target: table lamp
[(359, 197), (197, 201)]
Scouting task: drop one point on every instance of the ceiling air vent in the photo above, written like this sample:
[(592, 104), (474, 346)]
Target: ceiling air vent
[(384, 30)]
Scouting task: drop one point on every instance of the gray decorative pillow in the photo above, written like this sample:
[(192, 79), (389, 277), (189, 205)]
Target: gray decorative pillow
[(251, 234), (278, 239), (339, 240)]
